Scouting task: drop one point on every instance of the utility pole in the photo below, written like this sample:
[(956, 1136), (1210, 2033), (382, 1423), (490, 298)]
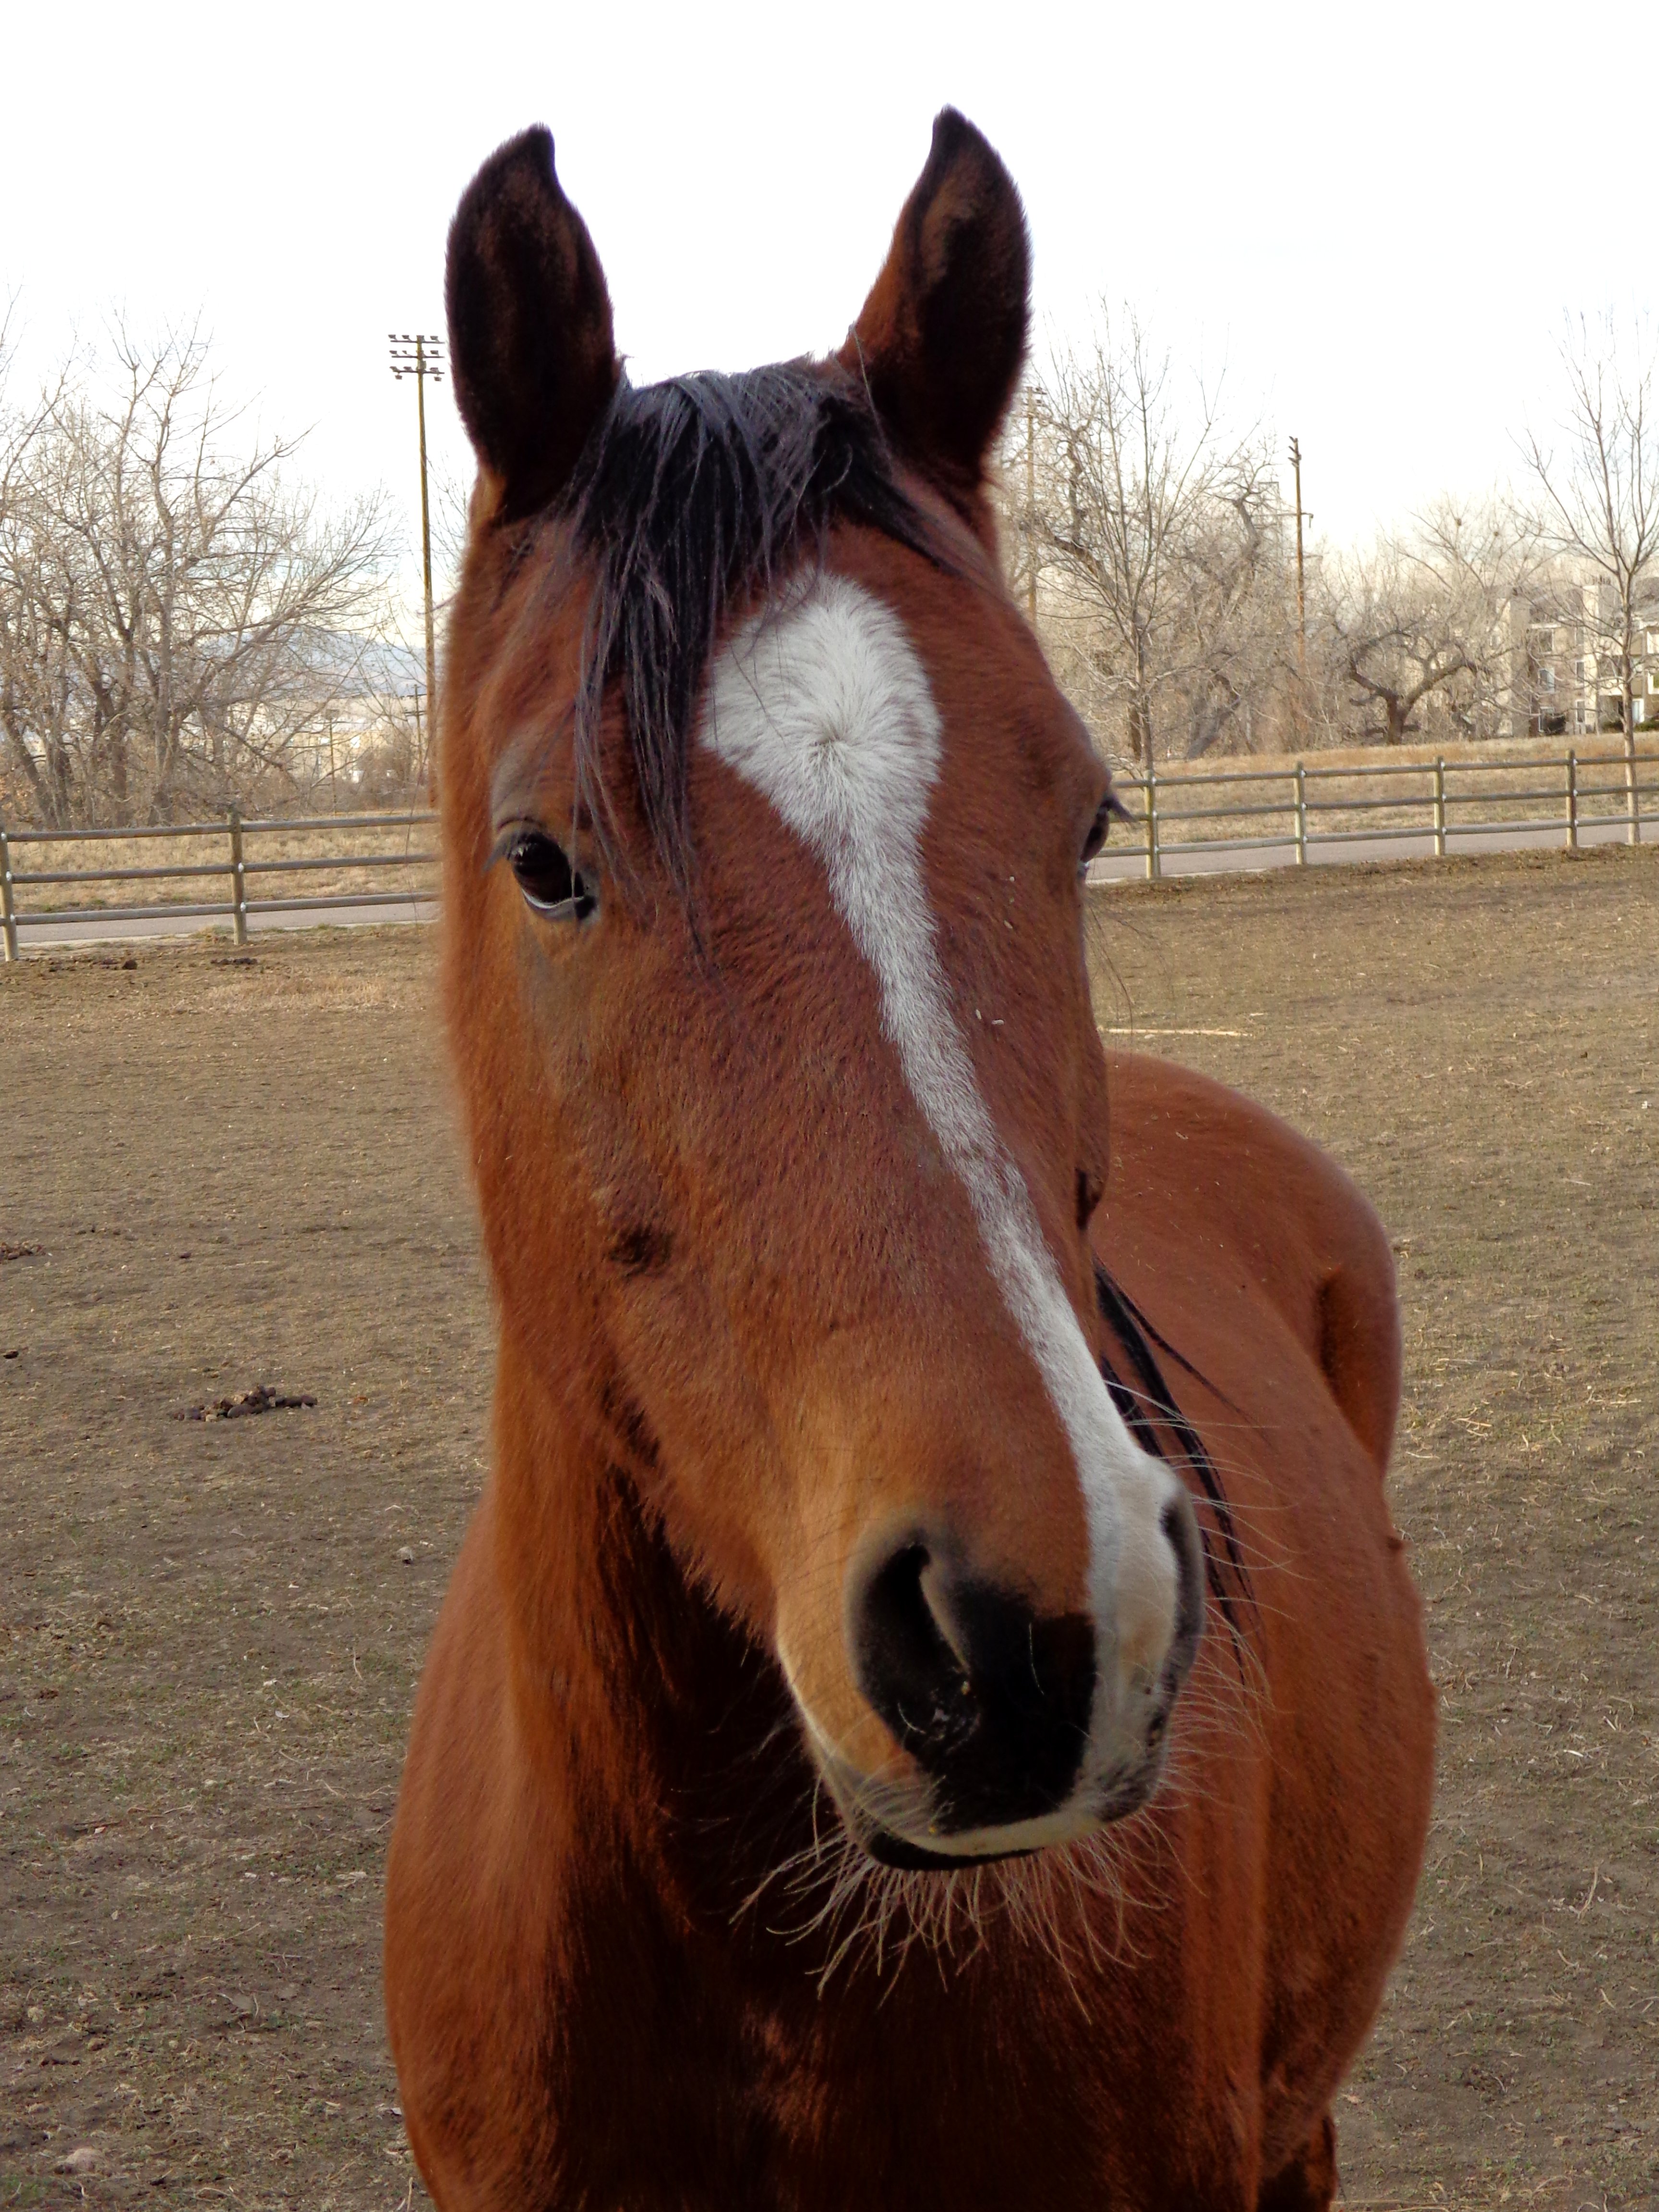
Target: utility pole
[(1300, 586), (420, 355)]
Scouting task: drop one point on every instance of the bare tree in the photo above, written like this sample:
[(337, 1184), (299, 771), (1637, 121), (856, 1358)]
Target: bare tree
[(1598, 500), (1154, 537), (177, 617), (1484, 558), (1418, 629), (1232, 670), (34, 669), (1397, 643)]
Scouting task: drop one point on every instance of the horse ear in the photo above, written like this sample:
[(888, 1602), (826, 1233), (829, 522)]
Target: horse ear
[(531, 347), (941, 339)]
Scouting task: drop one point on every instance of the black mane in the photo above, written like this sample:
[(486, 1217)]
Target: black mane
[(691, 495)]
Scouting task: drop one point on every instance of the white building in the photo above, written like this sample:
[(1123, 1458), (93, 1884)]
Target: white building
[(1563, 666)]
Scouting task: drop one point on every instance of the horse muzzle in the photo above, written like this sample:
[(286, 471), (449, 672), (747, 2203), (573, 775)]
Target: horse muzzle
[(1018, 1731)]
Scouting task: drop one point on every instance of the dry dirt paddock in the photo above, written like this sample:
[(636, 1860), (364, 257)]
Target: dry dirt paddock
[(243, 1171)]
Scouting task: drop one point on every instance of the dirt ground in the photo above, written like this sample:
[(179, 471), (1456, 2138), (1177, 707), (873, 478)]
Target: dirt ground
[(222, 1173)]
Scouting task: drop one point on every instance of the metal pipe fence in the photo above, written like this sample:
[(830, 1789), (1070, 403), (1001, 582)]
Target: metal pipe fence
[(238, 857), (1435, 813)]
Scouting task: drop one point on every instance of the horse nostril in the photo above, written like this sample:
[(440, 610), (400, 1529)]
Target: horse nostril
[(991, 1699), (1180, 1527), (903, 1659)]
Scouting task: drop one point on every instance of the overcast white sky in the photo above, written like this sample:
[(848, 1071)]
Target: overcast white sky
[(1376, 216)]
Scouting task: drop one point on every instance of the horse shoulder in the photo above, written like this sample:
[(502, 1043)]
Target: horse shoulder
[(1269, 1281), (1186, 1147)]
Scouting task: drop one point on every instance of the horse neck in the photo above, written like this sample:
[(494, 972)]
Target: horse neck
[(633, 1689)]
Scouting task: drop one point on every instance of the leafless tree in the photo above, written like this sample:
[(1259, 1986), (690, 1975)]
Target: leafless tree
[(452, 508), (1155, 537), (1417, 631), (1597, 498), (33, 671), (1232, 677), (178, 616), (1397, 643), (1483, 559)]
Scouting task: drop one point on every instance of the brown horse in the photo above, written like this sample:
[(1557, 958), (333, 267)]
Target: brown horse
[(821, 1795)]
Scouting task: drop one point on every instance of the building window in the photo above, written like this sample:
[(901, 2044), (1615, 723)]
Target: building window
[(1547, 679)]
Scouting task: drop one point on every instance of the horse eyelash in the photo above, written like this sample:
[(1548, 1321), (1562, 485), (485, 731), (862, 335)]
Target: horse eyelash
[(507, 839)]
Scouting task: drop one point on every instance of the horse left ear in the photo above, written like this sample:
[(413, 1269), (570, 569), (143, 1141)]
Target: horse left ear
[(941, 339)]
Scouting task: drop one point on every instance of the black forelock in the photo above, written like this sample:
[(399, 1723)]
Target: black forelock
[(691, 495)]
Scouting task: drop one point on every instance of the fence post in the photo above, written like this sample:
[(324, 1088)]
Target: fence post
[(1154, 858), (238, 879), (1301, 815), (1632, 790), (7, 910), (1573, 798), (1440, 809)]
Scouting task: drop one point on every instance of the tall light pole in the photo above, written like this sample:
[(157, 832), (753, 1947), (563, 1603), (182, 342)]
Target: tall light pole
[(420, 355)]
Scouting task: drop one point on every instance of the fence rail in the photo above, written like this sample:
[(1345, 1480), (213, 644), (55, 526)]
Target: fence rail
[(243, 852), (1435, 812)]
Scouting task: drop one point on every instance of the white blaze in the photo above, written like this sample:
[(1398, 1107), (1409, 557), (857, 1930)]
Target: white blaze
[(822, 704)]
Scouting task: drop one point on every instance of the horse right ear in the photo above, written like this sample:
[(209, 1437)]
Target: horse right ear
[(530, 344)]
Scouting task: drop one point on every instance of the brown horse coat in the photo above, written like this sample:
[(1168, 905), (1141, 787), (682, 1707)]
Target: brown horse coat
[(636, 1956)]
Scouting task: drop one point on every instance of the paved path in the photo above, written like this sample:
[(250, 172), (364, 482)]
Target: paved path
[(1126, 862), (39, 934)]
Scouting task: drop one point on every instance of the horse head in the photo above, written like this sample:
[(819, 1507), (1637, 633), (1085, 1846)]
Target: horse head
[(765, 834)]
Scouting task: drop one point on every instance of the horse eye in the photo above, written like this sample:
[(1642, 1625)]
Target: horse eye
[(550, 885), (1096, 836)]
